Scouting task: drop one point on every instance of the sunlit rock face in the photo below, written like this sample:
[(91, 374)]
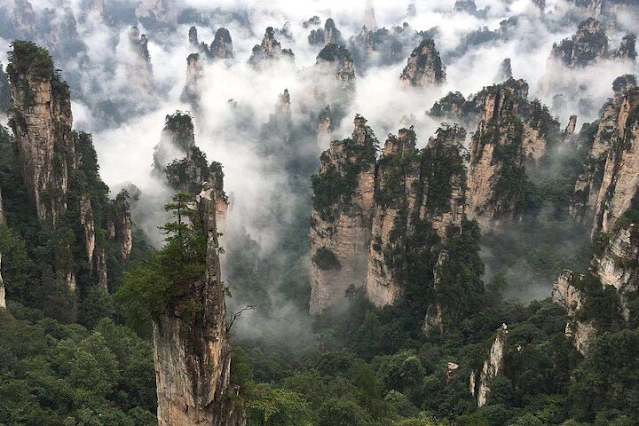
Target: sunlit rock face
[(494, 365), (424, 67), (192, 351), (512, 131)]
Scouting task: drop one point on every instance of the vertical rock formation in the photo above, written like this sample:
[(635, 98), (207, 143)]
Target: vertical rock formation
[(511, 132), (324, 128), (424, 67), (505, 71), (123, 225), (569, 131), (192, 350), (192, 88), (3, 301), (398, 177), (177, 137), (5, 91), (341, 219), (493, 366), (627, 49), (620, 180), (270, 50), (370, 22), (222, 45), (336, 60), (331, 34), (3, 218), (193, 40), (416, 194), (59, 166), (140, 69), (41, 120), (193, 172), (588, 45), (468, 6)]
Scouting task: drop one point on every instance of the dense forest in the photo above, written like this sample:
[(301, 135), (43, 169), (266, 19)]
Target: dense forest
[(198, 233)]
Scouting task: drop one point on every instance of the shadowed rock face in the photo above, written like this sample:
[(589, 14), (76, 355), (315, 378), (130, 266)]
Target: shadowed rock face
[(192, 351), (424, 67)]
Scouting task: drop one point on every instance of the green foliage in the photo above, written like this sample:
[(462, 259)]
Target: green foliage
[(326, 259), (150, 288), (55, 374)]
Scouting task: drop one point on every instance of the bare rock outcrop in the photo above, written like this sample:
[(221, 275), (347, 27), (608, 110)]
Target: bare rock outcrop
[(627, 49), (140, 69), (269, 50), (588, 45), (512, 131), (505, 71), (336, 59), (341, 220), (493, 366), (424, 67), (3, 301), (194, 75), (41, 120), (178, 136), (192, 350), (222, 45)]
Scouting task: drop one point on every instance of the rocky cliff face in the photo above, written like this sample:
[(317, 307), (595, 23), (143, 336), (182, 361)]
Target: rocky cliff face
[(123, 225), (588, 45), (60, 168), (505, 71), (341, 220), (5, 90), (3, 301), (330, 34), (336, 60), (194, 73), (511, 132), (178, 136), (192, 351), (222, 45), (41, 120), (424, 67), (621, 170), (417, 193), (140, 69), (193, 172), (269, 50), (370, 22), (627, 49), (389, 224), (493, 366)]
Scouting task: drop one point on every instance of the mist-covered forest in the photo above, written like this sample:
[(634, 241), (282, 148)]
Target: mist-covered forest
[(319, 213)]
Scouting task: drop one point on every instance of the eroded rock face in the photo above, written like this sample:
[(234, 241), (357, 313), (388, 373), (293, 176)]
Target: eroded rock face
[(336, 59), (194, 73), (178, 136), (123, 225), (424, 67), (369, 16), (222, 45), (269, 50), (341, 222), (41, 121), (493, 366), (588, 45), (140, 69), (511, 132), (3, 301), (627, 49), (620, 180), (192, 351)]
